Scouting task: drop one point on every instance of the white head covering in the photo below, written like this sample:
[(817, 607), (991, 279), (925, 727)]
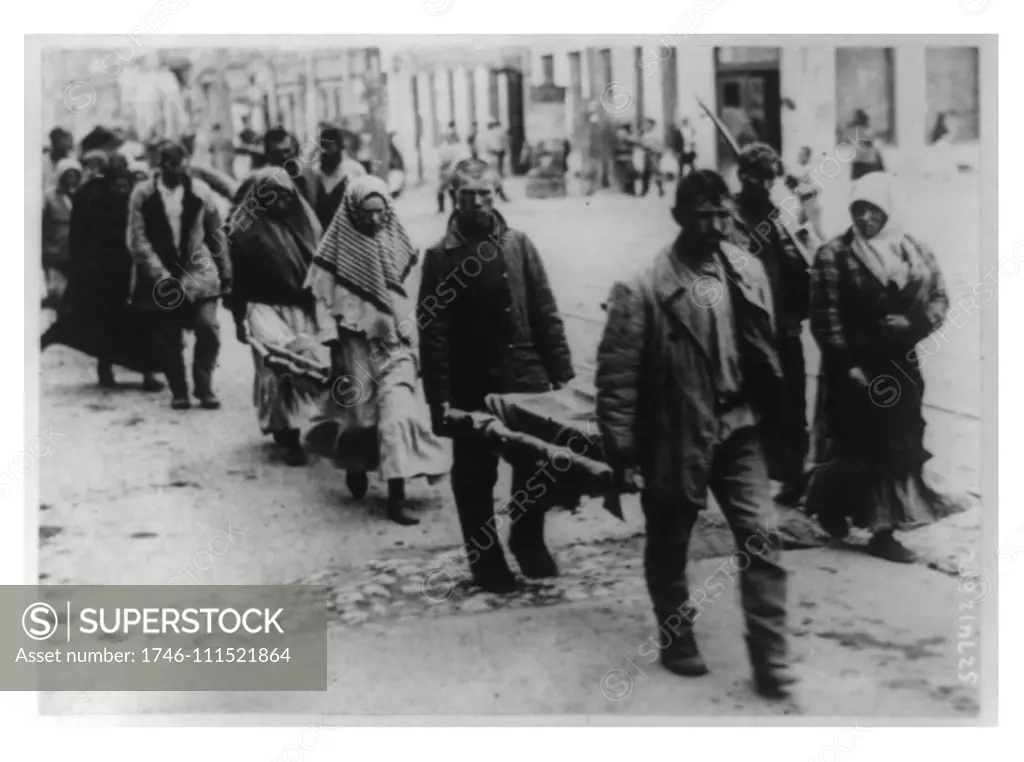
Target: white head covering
[(66, 165), (887, 246)]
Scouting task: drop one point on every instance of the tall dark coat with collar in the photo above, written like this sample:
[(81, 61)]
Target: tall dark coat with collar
[(488, 320), (165, 275), (760, 230), (656, 394)]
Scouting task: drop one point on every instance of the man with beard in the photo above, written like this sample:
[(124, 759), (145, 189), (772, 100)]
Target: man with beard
[(687, 384), (331, 180), (760, 231), (489, 324)]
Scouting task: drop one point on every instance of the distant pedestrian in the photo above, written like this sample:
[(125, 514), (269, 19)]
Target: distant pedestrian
[(62, 144), (449, 153), (867, 157), (331, 178), (653, 149), (57, 205), (802, 182), (222, 151), (625, 171), (876, 293), (494, 145)]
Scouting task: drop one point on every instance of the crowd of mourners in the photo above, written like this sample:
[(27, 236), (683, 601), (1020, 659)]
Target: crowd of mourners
[(701, 375)]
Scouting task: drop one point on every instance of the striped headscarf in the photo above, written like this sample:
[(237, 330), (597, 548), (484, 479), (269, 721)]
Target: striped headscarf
[(367, 265)]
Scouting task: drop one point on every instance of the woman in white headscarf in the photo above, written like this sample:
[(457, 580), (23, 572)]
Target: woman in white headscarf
[(375, 418), (876, 292)]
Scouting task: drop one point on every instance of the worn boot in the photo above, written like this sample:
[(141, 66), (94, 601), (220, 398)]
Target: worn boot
[(883, 545), (105, 374), (526, 541), (490, 571), (773, 677), (289, 439), (358, 483), (150, 383), (396, 509), (679, 652)]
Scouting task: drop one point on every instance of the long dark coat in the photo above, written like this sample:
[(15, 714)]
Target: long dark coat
[(465, 358)]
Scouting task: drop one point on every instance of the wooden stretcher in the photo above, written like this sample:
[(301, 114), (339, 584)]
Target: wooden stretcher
[(553, 430)]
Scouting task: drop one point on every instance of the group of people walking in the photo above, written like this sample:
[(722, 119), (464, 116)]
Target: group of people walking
[(701, 386), (701, 378)]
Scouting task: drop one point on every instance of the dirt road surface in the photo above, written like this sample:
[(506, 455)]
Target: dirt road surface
[(138, 494)]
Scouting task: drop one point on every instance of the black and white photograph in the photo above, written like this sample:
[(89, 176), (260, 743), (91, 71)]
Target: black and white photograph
[(585, 378)]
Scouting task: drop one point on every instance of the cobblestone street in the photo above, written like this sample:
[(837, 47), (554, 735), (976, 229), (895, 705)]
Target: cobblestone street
[(873, 638)]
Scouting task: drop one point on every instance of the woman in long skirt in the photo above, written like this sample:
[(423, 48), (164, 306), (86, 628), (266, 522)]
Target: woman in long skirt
[(375, 418), (876, 293), (271, 252)]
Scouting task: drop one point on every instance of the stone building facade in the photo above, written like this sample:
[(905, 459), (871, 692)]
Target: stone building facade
[(800, 95)]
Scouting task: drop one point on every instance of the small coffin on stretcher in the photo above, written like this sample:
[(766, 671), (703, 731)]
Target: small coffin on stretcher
[(557, 433)]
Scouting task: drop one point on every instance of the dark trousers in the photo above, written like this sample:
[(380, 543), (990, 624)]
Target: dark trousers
[(499, 159), (795, 436), (738, 478), (474, 474), (202, 320), (651, 171), (440, 199)]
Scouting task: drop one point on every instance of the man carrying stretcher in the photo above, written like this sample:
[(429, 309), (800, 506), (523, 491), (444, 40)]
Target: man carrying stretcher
[(489, 325)]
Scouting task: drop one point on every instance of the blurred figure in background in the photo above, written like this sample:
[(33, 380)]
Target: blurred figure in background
[(333, 175), (940, 161), (494, 147), (652, 148), (449, 153), (625, 170), (62, 144), (57, 205), (222, 151), (868, 158), (801, 182)]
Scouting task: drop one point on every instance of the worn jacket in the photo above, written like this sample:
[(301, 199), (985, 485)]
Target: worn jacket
[(464, 357), (786, 266), (199, 268), (656, 393)]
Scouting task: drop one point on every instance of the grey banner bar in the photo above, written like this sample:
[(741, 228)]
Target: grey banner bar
[(163, 638)]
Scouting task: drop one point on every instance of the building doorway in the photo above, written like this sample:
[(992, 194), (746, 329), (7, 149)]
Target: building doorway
[(749, 98), (516, 120)]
